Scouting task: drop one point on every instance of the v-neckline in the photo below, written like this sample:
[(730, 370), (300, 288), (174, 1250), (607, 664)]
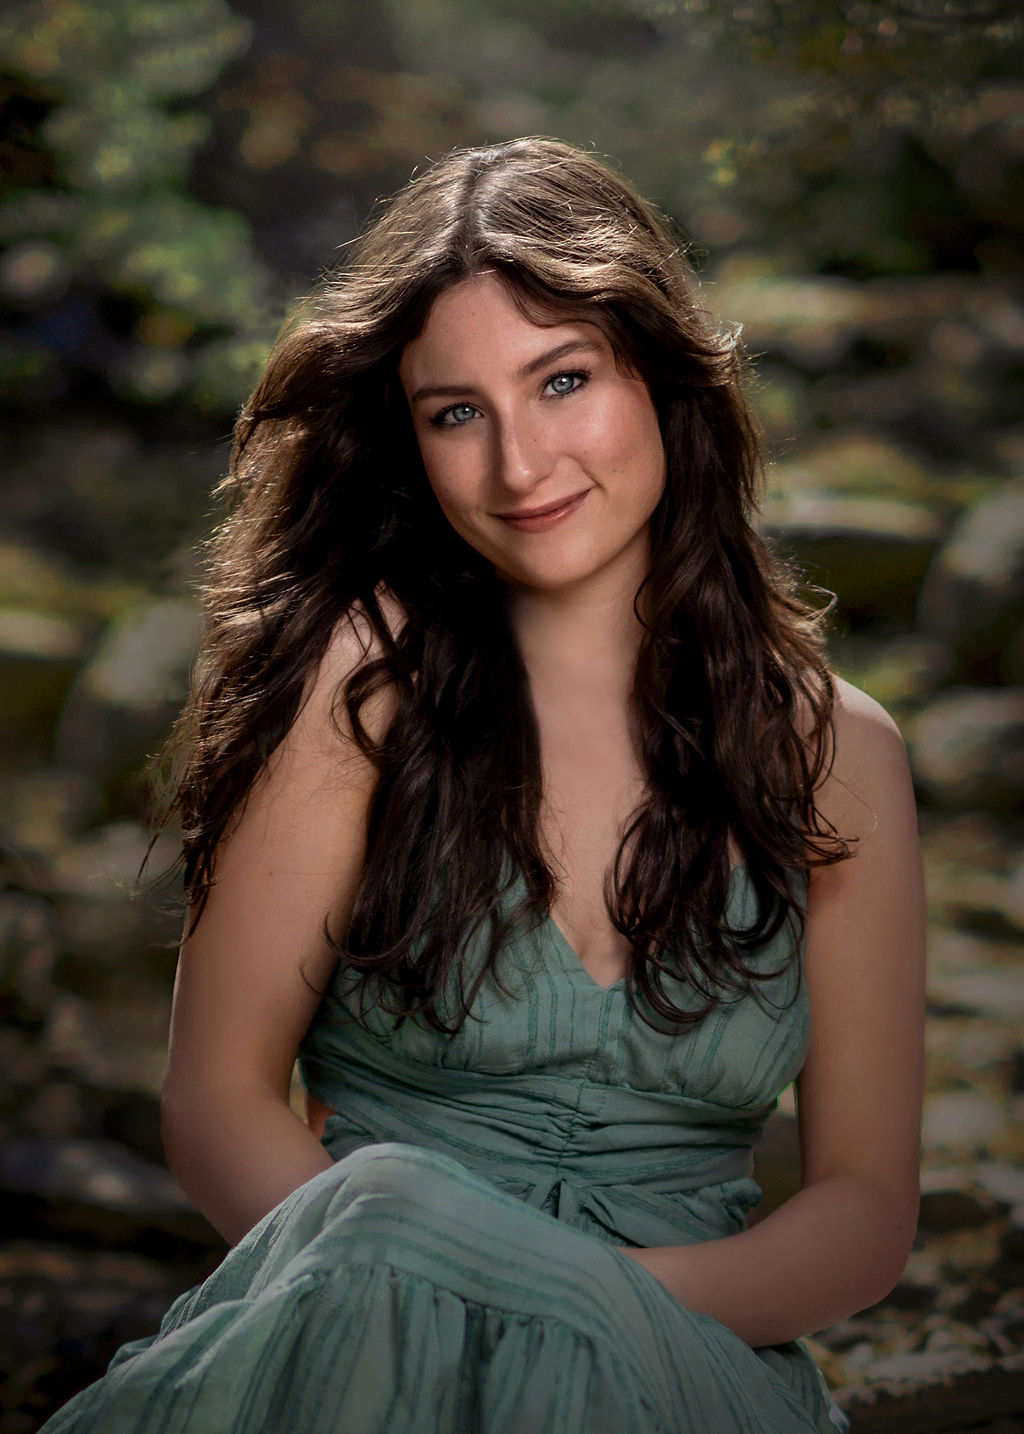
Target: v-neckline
[(576, 961)]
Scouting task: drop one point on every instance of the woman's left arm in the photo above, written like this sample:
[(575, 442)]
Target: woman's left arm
[(840, 1244)]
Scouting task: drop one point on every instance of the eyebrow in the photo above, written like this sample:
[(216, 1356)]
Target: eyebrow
[(453, 390)]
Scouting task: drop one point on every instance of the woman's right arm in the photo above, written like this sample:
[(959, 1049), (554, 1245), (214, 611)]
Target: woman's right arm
[(249, 979)]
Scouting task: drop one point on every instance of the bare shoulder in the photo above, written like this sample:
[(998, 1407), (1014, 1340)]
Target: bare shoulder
[(354, 644), (866, 789), (869, 751), (860, 731), (861, 724), (856, 717)]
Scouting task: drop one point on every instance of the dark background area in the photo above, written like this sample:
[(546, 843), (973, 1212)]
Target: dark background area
[(175, 176)]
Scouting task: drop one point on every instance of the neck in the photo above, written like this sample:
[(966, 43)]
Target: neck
[(591, 637)]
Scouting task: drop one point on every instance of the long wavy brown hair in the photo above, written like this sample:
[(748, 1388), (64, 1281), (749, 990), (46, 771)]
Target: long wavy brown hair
[(330, 510)]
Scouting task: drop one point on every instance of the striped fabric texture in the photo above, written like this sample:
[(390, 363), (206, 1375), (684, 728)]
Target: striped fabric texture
[(453, 1273)]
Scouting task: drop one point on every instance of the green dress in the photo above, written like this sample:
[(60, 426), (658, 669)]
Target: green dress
[(454, 1271)]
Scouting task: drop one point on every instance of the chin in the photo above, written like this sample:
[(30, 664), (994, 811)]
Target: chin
[(546, 581), (560, 570)]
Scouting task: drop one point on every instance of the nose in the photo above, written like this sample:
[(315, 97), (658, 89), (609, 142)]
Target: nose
[(522, 455)]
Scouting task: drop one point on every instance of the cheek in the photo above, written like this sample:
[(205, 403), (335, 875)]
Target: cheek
[(632, 439), (619, 418), (649, 430)]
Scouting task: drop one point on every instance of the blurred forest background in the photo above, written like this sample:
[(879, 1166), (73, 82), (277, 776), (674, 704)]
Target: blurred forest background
[(175, 176)]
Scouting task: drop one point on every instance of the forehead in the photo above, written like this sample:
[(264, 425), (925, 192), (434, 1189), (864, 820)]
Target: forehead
[(479, 319)]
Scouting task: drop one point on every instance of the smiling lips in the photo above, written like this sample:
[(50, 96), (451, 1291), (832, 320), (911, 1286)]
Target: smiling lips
[(534, 520)]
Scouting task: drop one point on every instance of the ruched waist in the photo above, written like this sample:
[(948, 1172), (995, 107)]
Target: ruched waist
[(620, 1212), (634, 1167)]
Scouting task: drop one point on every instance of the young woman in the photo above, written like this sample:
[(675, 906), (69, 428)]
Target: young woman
[(520, 802)]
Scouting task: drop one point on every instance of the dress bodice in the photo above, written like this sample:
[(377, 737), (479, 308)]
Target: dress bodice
[(560, 1093)]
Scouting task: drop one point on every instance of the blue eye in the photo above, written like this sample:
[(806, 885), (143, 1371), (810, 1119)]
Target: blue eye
[(560, 385), (455, 416), (565, 383)]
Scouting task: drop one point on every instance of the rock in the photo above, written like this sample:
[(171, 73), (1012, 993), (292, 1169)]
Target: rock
[(872, 552), (96, 1189), (924, 1367), (844, 1336), (1013, 658), (964, 1122), (1011, 1246), (37, 637), (1008, 899), (1009, 1309), (812, 322), (112, 918), (73, 1041), (980, 902), (984, 902), (132, 1118), (60, 1106), (55, 1109), (97, 1172), (24, 1067), (124, 701), (68, 463), (973, 594), (115, 1041), (899, 672), (977, 839), (43, 809), (967, 748), (103, 863), (858, 463), (39, 656), (976, 1305), (909, 1297), (953, 1210), (104, 495), (956, 952), (925, 1393), (65, 1311), (28, 954), (997, 994)]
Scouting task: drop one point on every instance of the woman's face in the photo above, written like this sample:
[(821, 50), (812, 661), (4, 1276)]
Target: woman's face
[(543, 455)]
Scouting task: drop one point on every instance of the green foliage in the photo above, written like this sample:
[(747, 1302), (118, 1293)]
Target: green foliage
[(835, 158), (863, 137), (114, 219)]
